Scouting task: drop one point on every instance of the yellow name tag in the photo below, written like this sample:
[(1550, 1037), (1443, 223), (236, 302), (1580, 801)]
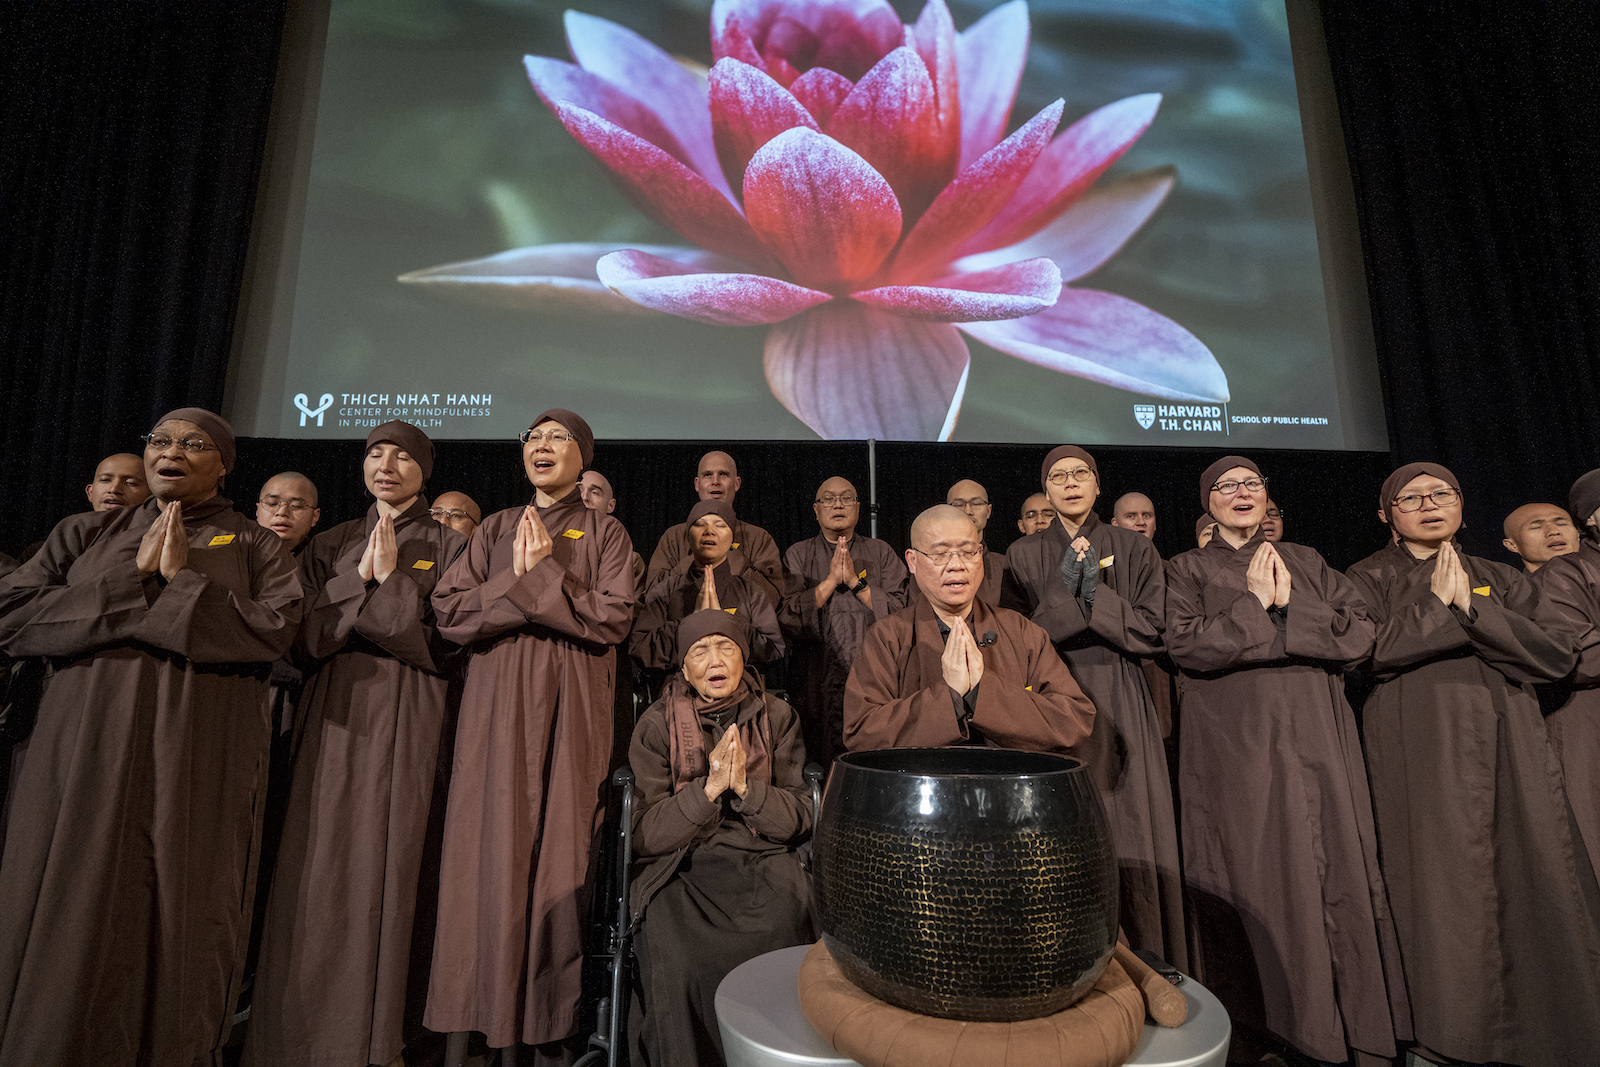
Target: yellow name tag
[(736, 544), (1028, 688), (221, 539), (1482, 590), (422, 565), (863, 574), (574, 534), (1108, 561), (730, 611)]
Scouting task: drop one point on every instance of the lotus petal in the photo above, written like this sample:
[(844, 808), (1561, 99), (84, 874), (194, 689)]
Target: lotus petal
[(851, 372), (977, 193), (718, 299), (559, 82), (1007, 292), (821, 91), (748, 109), (847, 36), (1111, 339), (891, 118), (933, 36), (1091, 231), (665, 189), (821, 209), (557, 277), (991, 54), (647, 72), (1078, 156)]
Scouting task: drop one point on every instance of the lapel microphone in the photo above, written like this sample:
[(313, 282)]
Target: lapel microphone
[(988, 639)]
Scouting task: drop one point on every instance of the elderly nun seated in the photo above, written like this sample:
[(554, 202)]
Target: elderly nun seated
[(722, 806)]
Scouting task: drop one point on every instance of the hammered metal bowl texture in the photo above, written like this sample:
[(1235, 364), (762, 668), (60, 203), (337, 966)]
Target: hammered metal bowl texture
[(974, 884)]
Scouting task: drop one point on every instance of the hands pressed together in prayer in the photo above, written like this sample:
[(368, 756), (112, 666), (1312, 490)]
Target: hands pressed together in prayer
[(708, 592), (531, 544), (165, 546), (380, 557), (1450, 582), (962, 660), (727, 767), (1080, 571), (1268, 577), (841, 575)]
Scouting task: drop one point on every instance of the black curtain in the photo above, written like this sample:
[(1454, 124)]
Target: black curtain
[(1475, 147), (131, 134), (130, 144)]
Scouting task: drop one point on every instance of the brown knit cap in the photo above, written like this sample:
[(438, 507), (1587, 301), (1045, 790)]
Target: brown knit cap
[(1201, 523), (575, 426), (711, 621), (1216, 470), (1397, 481), (1061, 452), (1584, 499), (712, 507), (416, 443), (215, 426)]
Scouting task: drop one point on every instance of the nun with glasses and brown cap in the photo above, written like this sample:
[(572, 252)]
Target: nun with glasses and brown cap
[(703, 579), (1280, 854), (722, 805), (540, 598), (1098, 590), (331, 986), (1493, 895), (128, 876)]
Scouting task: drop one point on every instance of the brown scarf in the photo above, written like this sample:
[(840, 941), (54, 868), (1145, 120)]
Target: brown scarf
[(687, 715)]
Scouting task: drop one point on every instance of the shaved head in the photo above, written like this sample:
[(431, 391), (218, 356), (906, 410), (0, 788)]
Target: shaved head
[(118, 482), (929, 523), (939, 536), (1136, 512), (971, 498), (837, 507), (717, 477), (595, 490), (445, 503), (1538, 533), (288, 507), (1036, 515)]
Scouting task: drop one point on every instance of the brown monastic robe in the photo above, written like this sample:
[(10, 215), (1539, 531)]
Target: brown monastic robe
[(717, 882), (335, 960), (1492, 895), (1027, 699), (1278, 841), (126, 890), (1573, 589), (994, 570), (1103, 643), (823, 644), (532, 746), (754, 555), (654, 640)]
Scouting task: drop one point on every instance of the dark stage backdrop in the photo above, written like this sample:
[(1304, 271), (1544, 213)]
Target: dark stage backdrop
[(130, 142)]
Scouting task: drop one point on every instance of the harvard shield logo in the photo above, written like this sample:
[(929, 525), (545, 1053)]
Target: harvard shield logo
[(1146, 414)]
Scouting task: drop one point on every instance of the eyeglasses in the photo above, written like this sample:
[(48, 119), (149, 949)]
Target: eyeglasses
[(161, 442), (272, 503), (1274, 513), (829, 500), (965, 504), (1413, 501), (554, 437), (1254, 485), (441, 514), (1077, 474), (942, 559), (1039, 513)]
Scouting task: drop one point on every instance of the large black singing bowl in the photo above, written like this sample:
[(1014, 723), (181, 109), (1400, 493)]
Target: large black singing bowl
[(966, 883)]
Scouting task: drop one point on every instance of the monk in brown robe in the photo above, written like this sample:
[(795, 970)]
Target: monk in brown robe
[(288, 507), (127, 883), (972, 499), (1036, 514), (1272, 522), (1098, 591), (541, 597), (1136, 512), (841, 584), (700, 581), (335, 963), (458, 511), (1537, 533), (754, 553), (1278, 840), (118, 482), (722, 804), (1493, 897), (950, 670), (1583, 504), (598, 494)]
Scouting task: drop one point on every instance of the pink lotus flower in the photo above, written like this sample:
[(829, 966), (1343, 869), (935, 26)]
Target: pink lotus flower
[(847, 180)]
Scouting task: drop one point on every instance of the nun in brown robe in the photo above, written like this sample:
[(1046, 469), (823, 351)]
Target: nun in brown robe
[(754, 555), (1278, 843), (126, 890), (835, 595), (335, 960), (1493, 895), (950, 670), (682, 591), (1108, 617), (541, 597), (722, 805)]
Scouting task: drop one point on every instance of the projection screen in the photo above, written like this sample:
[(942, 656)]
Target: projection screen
[(1081, 220)]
